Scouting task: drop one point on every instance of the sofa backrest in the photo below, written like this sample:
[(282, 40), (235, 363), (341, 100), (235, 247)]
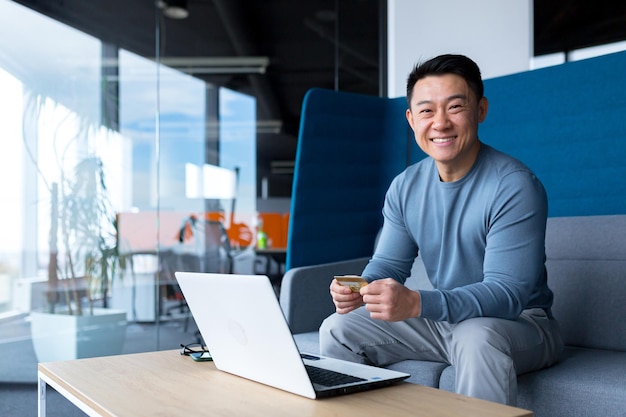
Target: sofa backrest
[(586, 263)]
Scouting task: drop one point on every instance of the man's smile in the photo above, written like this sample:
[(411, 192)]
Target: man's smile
[(443, 140)]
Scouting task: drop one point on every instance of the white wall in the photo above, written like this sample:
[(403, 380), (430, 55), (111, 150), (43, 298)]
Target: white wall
[(496, 34)]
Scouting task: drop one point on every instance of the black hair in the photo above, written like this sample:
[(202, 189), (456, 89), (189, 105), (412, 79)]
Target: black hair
[(447, 64)]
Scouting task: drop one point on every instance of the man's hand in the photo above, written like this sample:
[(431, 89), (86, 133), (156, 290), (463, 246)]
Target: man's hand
[(387, 299), (345, 300)]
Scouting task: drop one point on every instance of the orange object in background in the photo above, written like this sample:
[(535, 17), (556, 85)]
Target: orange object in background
[(274, 226), (239, 234), (215, 216), (135, 230)]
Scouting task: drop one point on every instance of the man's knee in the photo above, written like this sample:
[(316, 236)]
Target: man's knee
[(478, 337), (337, 338), (329, 330), (484, 366), (328, 324), (333, 330)]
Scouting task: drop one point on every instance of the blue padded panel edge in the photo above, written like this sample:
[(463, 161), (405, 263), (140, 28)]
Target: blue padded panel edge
[(568, 124), (350, 146)]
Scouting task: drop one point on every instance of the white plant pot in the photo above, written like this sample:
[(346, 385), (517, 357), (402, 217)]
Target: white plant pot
[(59, 336)]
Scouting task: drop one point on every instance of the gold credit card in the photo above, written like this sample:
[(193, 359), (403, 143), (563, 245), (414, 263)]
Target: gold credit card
[(355, 282)]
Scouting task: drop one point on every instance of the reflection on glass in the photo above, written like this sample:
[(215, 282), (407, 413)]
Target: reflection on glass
[(96, 141), (62, 253), (238, 152)]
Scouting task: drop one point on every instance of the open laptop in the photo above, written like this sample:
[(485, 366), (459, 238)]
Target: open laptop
[(244, 328)]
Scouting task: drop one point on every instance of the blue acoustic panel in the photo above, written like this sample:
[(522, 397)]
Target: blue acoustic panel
[(350, 146), (568, 124)]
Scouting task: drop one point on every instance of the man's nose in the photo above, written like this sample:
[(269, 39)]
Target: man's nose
[(441, 120)]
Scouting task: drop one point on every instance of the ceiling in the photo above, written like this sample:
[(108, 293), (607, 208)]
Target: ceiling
[(309, 43)]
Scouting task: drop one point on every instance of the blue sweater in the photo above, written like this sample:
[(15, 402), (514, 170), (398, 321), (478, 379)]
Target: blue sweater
[(481, 238)]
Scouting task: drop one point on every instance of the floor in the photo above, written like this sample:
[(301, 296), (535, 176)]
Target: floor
[(18, 363)]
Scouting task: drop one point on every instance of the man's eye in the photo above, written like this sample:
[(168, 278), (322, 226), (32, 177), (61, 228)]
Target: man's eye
[(456, 107)]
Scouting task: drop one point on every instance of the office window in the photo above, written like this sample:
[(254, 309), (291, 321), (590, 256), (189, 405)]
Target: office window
[(82, 118)]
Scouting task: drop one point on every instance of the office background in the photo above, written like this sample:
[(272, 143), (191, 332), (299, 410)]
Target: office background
[(153, 93)]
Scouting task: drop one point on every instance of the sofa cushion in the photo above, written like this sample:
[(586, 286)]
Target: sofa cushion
[(583, 380), (448, 378), (586, 260), (589, 300), (308, 342), (422, 372)]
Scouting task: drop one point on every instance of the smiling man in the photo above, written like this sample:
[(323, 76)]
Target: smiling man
[(477, 218)]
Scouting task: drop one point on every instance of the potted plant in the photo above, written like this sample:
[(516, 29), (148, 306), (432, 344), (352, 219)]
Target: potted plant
[(76, 322)]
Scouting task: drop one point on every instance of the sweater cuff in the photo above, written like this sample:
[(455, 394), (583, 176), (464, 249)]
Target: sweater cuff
[(431, 304)]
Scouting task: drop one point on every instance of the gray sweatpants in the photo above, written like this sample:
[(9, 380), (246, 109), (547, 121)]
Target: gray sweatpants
[(487, 353)]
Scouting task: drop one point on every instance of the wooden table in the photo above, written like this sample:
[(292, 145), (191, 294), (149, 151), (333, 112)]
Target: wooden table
[(168, 384)]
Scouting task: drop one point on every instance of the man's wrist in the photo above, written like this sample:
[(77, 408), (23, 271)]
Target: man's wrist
[(417, 305)]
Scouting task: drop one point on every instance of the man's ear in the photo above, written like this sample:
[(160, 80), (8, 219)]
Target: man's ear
[(483, 106), (409, 118)]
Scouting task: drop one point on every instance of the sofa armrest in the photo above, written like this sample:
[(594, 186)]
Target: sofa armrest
[(304, 294)]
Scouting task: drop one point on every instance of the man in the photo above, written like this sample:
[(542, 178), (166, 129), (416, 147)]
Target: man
[(477, 217)]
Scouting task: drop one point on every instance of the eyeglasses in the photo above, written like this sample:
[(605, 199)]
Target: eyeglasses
[(196, 351), (192, 348)]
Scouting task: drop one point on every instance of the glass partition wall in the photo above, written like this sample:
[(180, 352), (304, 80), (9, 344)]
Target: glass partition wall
[(134, 145), (118, 170)]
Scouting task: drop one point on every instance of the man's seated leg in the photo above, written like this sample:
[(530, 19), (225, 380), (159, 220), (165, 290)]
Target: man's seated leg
[(358, 338), (489, 353)]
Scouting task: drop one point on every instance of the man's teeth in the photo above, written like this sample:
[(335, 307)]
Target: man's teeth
[(442, 140)]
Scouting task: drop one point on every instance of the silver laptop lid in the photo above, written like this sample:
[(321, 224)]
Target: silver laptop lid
[(243, 326)]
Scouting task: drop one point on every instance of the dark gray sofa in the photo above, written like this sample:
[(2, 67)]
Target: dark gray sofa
[(586, 262)]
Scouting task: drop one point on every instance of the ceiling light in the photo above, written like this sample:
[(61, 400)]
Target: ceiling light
[(201, 65), (174, 9), (218, 65)]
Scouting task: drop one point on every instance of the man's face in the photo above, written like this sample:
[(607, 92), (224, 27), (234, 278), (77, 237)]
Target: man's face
[(444, 115)]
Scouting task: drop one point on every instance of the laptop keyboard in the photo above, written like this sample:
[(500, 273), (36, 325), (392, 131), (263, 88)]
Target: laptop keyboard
[(329, 378)]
